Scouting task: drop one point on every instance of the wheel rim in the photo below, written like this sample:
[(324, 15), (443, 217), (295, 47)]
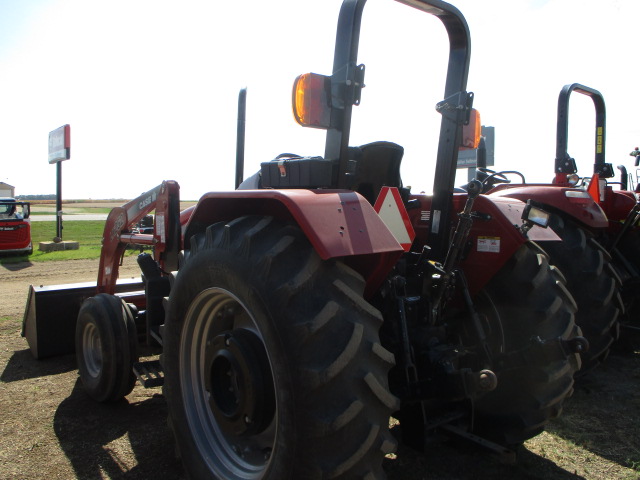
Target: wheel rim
[(92, 350), (492, 326), (227, 386)]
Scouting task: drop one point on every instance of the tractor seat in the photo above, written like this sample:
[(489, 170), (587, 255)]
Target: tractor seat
[(376, 165), (371, 166)]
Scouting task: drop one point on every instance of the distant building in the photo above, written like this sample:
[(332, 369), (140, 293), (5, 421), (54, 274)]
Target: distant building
[(7, 190)]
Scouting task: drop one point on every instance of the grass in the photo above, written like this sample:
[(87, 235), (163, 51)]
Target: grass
[(87, 233), (633, 464), (67, 210)]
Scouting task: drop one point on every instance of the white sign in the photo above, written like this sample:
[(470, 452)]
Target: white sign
[(60, 144), (489, 244)]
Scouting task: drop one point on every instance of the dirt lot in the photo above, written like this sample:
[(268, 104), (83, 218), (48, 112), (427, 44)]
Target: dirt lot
[(50, 429)]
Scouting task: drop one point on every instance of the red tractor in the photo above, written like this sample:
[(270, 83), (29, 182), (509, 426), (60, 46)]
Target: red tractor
[(624, 245), (292, 321), (585, 219), (15, 227)]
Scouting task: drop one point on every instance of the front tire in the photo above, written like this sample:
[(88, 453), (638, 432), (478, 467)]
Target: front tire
[(106, 347), (274, 368)]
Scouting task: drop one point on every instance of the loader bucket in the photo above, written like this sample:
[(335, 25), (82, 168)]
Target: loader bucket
[(51, 312)]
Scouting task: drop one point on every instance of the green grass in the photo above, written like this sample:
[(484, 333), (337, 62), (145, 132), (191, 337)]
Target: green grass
[(90, 210), (87, 233), (633, 464)]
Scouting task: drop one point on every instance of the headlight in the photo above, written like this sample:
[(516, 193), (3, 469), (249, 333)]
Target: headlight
[(573, 179), (535, 215)]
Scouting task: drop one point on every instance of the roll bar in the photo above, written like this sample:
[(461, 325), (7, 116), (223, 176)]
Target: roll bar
[(564, 163), (347, 81)]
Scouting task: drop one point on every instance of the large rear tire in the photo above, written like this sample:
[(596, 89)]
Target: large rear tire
[(106, 348), (627, 263), (593, 284), (273, 364), (526, 299)]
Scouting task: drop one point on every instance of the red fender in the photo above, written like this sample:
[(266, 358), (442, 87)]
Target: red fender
[(493, 238), (574, 202), (617, 204), (338, 223)]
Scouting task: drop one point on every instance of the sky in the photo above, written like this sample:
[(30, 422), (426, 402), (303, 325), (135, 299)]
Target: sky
[(150, 87)]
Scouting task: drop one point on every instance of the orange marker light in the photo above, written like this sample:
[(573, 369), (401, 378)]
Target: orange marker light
[(471, 133), (311, 100)]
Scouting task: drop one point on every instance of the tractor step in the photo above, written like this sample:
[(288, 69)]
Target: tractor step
[(149, 373)]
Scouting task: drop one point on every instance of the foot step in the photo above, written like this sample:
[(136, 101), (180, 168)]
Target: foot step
[(149, 373)]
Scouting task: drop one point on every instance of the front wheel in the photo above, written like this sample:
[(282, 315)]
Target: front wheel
[(106, 347), (274, 368)]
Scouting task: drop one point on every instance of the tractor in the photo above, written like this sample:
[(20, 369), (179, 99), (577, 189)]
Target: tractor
[(15, 227), (298, 313), (584, 218), (624, 245)]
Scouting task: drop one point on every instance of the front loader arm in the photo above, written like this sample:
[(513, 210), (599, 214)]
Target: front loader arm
[(166, 241)]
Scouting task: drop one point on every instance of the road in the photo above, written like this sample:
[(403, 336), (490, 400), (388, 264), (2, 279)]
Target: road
[(74, 217)]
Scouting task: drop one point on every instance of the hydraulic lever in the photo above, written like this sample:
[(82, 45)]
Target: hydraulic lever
[(465, 222)]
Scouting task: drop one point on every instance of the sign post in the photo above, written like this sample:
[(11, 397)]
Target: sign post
[(59, 150), (468, 158)]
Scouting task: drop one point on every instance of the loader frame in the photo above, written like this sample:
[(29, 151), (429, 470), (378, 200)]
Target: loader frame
[(51, 312)]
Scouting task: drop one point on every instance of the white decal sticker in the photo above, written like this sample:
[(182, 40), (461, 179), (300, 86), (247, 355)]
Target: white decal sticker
[(489, 244), (160, 227)]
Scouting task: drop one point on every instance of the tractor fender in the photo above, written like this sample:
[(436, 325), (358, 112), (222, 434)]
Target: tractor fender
[(574, 202), (617, 204), (494, 238), (338, 224)]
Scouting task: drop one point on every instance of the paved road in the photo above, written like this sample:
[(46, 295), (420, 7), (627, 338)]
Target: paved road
[(81, 216)]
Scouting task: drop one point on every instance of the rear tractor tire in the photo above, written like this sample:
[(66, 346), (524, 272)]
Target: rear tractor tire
[(106, 347), (273, 364), (525, 300), (628, 267), (593, 283)]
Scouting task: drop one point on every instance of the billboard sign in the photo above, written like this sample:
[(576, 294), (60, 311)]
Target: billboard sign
[(60, 144)]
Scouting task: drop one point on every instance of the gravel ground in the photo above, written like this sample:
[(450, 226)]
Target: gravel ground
[(49, 428)]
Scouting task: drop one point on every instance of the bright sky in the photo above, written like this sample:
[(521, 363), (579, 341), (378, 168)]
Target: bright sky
[(150, 87)]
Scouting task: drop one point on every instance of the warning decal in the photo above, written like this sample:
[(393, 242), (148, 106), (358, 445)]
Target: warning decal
[(392, 212), (489, 244)]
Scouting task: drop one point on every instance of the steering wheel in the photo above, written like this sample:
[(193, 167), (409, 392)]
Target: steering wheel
[(493, 176)]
